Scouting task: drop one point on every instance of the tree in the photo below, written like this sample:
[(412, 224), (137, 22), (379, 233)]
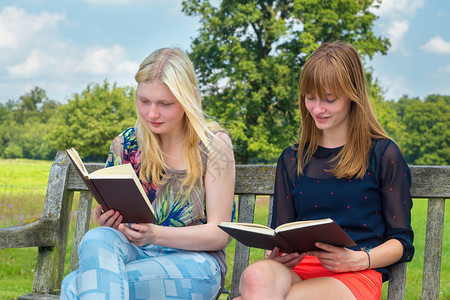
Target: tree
[(24, 126), (249, 54), (92, 119), (427, 134), (385, 110)]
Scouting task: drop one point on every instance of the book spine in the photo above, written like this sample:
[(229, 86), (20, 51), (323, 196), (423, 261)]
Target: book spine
[(284, 244)]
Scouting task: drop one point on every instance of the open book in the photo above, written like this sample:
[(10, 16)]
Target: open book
[(291, 237), (117, 188)]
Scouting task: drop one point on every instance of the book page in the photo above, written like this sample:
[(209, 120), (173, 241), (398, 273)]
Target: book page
[(300, 224), (125, 169), (251, 227), (77, 160)]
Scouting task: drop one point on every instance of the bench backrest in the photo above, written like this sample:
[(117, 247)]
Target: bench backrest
[(50, 233)]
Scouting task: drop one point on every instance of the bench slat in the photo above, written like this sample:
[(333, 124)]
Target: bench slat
[(396, 286), (83, 218), (246, 211), (58, 204), (30, 233), (433, 248)]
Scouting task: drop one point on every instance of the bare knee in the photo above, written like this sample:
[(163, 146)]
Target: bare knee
[(261, 280), (256, 274)]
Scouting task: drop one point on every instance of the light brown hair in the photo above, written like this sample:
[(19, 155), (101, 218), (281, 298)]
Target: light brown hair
[(338, 67)]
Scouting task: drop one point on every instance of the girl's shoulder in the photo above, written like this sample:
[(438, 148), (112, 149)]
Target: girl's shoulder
[(386, 149), (122, 147), (289, 156), (127, 139), (387, 158)]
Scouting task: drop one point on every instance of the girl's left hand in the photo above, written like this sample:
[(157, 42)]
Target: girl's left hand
[(140, 234), (288, 260), (340, 259)]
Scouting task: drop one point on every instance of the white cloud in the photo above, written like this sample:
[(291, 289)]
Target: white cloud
[(396, 32), (395, 18), (68, 59), (444, 69), (120, 2), (20, 29), (395, 87), (395, 9), (437, 45), (103, 61), (35, 52)]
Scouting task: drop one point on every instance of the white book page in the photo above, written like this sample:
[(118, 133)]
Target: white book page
[(301, 224)]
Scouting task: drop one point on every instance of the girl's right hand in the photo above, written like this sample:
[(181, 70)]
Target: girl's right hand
[(110, 218), (289, 260)]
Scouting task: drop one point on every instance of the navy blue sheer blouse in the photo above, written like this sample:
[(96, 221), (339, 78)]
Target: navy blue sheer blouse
[(371, 210)]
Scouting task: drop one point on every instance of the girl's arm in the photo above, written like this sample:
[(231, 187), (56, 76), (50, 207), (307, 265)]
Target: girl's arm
[(219, 193), (338, 259)]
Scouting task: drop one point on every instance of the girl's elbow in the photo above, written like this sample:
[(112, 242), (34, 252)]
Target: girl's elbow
[(221, 240)]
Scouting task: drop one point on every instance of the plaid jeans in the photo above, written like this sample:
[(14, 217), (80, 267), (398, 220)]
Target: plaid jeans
[(113, 268)]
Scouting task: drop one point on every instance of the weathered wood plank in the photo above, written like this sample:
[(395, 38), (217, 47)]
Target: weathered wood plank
[(83, 218), (433, 248), (36, 296), (430, 181), (30, 233), (396, 287), (58, 204), (246, 212)]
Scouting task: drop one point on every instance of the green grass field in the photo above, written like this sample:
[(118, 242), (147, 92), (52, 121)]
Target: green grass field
[(22, 191)]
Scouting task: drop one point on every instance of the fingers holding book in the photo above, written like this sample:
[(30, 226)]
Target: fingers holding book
[(109, 218), (289, 260)]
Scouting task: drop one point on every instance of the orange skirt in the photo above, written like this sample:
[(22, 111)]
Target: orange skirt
[(363, 284)]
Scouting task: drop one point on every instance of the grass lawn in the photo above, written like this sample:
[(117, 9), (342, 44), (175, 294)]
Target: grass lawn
[(22, 192)]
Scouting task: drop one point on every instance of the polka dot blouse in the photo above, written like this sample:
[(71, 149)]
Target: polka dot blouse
[(371, 210)]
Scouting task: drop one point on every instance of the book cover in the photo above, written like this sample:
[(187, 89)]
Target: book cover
[(117, 188), (290, 237)]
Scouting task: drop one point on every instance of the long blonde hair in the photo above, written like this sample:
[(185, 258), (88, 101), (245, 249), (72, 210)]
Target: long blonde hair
[(173, 67), (338, 67)]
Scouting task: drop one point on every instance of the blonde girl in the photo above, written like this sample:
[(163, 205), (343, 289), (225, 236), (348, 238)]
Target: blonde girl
[(186, 167)]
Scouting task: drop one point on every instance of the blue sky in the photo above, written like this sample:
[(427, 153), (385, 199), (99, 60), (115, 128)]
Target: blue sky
[(61, 46)]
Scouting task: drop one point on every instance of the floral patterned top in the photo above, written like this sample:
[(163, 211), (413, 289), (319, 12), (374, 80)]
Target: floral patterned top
[(173, 206), (371, 210)]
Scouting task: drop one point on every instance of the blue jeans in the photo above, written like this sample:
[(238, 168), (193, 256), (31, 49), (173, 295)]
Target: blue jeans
[(113, 268)]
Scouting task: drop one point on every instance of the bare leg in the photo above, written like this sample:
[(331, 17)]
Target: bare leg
[(266, 279), (320, 288)]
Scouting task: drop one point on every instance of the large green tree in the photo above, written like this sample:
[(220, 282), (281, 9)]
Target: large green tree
[(92, 118), (248, 55), (427, 134)]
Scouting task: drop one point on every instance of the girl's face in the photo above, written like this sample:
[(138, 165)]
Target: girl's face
[(329, 114), (159, 108)]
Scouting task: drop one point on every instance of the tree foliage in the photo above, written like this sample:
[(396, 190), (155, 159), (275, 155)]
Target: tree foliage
[(24, 123), (92, 118), (249, 55), (427, 132)]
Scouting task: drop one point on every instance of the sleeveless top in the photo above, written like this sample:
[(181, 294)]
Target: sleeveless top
[(371, 210), (173, 206)]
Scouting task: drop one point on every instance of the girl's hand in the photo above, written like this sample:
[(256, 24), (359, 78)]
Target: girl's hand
[(110, 218), (141, 234), (340, 259), (289, 260)]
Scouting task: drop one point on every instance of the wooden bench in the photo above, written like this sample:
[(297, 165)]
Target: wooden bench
[(50, 233)]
